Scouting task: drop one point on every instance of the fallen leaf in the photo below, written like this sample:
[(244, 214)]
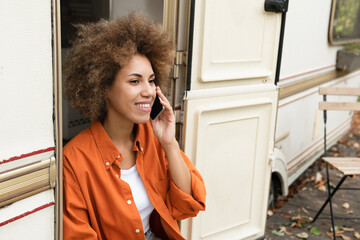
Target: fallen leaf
[(322, 188), (346, 205), (350, 212), (330, 234), (294, 225), (320, 183), (357, 235), (305, 211), (297, 217), (302, 235), (278, 233), (348, 229), (270, 213), (345, 237), (318, 177), (270, 227), (315, 231), (285, 230)]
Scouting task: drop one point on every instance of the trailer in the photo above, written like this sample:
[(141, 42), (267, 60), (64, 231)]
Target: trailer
[(243, 87)]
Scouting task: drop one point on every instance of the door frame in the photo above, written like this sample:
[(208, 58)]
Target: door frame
[(57, 88)]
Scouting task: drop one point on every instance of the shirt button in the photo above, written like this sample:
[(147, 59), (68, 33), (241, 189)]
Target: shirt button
[(137, 230), (142, 149), (118, 156), (117, 176), (129, 202), (107, 163)]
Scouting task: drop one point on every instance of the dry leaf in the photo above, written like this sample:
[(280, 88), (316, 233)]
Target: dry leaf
[(294, 225), (322, 188), (318, 177), (357, 235), (330, 234), (285, 230), (345, 237), (346, 205), (297, 217), (305, 211), (348, 229), (320, 183), (350, 212), (270, 213)]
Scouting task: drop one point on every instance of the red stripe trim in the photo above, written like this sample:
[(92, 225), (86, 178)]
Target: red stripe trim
[(27, 155), (27, 213)]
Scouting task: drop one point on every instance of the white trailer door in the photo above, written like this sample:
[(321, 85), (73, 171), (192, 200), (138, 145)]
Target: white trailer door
[(27, 142), (230, 114)]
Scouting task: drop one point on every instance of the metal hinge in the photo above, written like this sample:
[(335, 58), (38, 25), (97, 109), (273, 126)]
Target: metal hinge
[(271, 161), (180, 59), (52, 172)]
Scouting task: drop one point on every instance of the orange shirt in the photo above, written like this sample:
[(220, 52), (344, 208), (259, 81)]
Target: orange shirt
[(99, 205)]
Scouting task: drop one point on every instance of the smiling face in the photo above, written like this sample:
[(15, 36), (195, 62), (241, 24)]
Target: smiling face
[(132, 93)]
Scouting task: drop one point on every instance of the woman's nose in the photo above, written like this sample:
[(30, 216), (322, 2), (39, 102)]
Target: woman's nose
[(148, 89)]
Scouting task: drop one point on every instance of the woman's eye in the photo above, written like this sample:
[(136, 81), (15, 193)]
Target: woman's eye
[(134, 81), (152, 81)]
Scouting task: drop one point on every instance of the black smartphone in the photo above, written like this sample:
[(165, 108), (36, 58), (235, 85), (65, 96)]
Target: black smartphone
[(156, 108)]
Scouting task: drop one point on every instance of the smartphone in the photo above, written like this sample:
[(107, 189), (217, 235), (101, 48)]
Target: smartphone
[(157, 108)]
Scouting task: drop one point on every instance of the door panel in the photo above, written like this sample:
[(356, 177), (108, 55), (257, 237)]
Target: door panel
[(233, 40), (228, 136), (230, 113)]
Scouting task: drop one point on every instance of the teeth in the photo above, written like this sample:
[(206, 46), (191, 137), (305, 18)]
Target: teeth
[(143, 105)]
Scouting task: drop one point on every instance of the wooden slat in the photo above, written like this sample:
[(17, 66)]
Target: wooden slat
[(351, 106), (339, 91), (348, 166)]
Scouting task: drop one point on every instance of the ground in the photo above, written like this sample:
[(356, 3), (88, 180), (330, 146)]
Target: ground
[(291, 218)]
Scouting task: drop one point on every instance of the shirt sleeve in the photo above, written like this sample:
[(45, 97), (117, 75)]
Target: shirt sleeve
[(76, 223), (182, 205)]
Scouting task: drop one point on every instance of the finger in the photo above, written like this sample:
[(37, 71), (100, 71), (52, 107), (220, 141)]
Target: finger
[(164, 100)]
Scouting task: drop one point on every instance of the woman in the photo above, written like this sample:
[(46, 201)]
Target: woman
[(125, 176)]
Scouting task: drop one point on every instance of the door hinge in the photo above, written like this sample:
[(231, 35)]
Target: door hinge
[(52, 172), (180, 60), (271, 161)]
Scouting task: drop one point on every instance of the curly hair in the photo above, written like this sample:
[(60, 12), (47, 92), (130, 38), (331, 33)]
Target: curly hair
[(101, 49)]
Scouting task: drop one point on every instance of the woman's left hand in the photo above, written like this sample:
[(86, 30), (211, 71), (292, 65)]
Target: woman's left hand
[(164, 124)]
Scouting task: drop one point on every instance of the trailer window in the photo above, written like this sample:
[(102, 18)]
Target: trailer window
[(344, 24)]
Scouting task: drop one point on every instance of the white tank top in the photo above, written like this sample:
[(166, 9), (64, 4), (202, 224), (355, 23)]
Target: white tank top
[(140, 196)]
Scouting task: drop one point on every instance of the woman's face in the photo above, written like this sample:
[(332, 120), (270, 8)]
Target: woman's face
[(133, 91)]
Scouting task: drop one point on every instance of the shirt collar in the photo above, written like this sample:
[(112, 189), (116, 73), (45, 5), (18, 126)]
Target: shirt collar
[(108, 151)]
